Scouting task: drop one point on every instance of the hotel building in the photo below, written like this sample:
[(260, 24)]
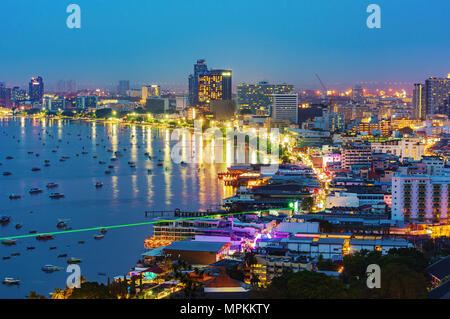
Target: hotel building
[(285, 107), (420, 198)]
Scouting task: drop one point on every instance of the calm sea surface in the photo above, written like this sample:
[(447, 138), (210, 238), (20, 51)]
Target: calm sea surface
[(126, 194)]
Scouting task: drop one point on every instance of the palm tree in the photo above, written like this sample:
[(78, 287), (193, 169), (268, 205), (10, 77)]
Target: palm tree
[(58, 293)]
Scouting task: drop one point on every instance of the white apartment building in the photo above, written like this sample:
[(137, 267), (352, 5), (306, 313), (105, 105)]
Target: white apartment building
[(285, 107), (420, 197), (411, 147)]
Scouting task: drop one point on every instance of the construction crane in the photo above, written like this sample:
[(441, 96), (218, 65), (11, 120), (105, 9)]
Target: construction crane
[(330, 100)]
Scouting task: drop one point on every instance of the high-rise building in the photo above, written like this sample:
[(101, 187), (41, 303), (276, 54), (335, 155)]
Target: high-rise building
[(358, 94), (356, 156), (214, 85), (5, 96), (199, 68), (419, 102), (123, 87), (257, 97), (437, 95), (182, 102), (149, 91), (18, 95), (420, 197), (284, 107), (36, 89), (86, 102)]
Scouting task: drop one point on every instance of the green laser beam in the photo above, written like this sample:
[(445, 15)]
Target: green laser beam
[(121, 226)]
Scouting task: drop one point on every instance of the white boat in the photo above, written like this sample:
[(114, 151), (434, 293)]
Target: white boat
[(50, 268), (11, 281)]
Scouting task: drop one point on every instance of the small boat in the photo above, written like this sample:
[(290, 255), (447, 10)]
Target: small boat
[(9, 157), (35, 169), (95, 156), (14, 196), (98, 185), (81, 242), (73, 260), (99, 236), (46, 165), (103, 230), (52, 248), (6, 173), (52, 185), (131, 163), (101, 274), (132, 166), (33, 231), (8, 242), (61, 224), (62, 255), (160, 164), (35, 191), (56, 195), (11, 281), (113, 159), (30, 152), (6, 258), (44, 237), (101, 162), (5, 220), (46, 161), (18, 226), (15, 254), (107, 172), (50, 268), (111, 166)]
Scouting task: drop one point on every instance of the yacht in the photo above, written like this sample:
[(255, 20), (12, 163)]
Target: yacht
[(35, 190), (73, 260), (10, 281), (50, 268), (52, 185), (56, 195), (8, 242), (5, 219)]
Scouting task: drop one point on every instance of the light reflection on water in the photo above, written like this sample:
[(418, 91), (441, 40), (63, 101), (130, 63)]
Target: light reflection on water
[(126, 194)]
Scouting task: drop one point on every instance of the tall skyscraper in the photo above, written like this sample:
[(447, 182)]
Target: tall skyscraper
[(36, 89), (358, 94), (257, 97), (199, 68), (285, 107), (419, 101), (214, 85), (437, 95), (5, 96), (123, 87)]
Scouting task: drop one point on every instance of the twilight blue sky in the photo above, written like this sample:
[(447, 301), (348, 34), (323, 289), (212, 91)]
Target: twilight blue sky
[(158, 41)]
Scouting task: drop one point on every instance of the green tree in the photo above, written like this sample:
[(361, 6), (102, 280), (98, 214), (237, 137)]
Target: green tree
[(91, 290), (303, 285)]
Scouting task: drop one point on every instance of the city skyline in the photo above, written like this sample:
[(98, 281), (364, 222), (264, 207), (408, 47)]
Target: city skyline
[(159, 43)]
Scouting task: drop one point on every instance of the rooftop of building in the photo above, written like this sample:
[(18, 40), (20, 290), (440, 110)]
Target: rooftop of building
[(191, 245)]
